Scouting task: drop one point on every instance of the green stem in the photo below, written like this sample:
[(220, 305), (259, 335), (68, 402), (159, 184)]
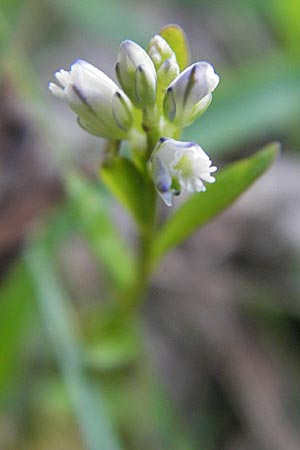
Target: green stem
[(112, 148), (130, 299), (146, 234), (150, 126), (135, 295), (143, 269)]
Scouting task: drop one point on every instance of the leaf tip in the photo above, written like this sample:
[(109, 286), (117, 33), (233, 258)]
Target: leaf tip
[(273, 150), (176, 38)]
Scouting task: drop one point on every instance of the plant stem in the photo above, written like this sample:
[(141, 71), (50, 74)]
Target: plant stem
[(129, 299), (134, 296), (145, 242), (112, 148), (150, 125)]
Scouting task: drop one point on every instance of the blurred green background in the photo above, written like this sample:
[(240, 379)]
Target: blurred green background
[(218, 365)]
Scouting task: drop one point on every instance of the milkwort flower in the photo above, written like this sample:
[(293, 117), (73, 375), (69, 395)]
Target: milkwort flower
[(102, 107), (190, 93), (156, 100), (177, 166)]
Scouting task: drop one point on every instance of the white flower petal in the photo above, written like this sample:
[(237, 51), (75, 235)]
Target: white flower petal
[(90, 94), (63, 77), (185, 163), (56, 90)]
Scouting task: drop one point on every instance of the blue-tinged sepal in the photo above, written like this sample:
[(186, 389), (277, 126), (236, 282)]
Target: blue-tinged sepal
[(189, 95), (162, 179), (136, 74)]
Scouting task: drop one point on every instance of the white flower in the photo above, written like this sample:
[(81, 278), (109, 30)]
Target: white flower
[(136, 74), (178, 166), (102, 108), (190, 93)]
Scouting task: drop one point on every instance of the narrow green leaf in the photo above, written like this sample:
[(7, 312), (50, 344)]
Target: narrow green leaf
[(57, 314), (201, 207), (91, 213), (285, 19), (129, 186), (15, 307), (176, 38)]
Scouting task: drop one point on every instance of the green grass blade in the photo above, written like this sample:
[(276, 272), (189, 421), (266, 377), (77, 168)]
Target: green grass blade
[(57, 316), (15, 311), (201, 207)]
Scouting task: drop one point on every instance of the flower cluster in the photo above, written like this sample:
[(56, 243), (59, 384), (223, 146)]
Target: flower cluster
[(150, 109)]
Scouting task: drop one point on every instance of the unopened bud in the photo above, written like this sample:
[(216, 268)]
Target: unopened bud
[(164, 60), (136, 74), (101, 107), (190, 93)]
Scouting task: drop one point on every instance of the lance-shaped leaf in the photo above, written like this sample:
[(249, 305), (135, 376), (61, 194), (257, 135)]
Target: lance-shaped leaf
[(91, 214), (133, 190), (176, 38), (201, 207)]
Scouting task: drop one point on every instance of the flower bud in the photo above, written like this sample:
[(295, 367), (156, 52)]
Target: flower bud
[(159, 50), (178, 166), (136, 74), (190, 93), (164, 60), (102, 108)]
